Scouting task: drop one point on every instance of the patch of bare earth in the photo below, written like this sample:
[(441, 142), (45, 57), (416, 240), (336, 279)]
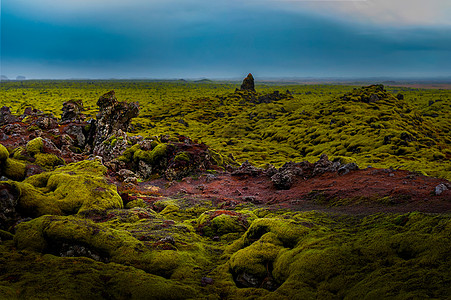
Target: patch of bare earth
[(365, 191)]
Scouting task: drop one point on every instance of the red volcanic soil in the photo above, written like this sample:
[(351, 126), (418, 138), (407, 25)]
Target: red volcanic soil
[(365, 191)]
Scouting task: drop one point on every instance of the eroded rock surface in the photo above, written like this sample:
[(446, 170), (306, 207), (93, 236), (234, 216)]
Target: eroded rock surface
[(248, 83), (72, 111), (113, 119)]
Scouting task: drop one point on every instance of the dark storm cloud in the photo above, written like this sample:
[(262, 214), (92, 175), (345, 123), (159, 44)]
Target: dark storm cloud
[(213, 39)]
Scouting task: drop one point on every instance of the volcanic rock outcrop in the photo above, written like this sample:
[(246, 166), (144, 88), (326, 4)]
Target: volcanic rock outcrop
[(248, 83), (113, 120), (72, 111)]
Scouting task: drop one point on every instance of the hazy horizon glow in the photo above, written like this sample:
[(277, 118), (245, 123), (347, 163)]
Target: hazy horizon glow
[(225, 39)]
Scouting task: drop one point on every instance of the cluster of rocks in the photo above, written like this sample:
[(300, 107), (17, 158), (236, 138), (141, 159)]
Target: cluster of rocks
[(370, 94), (248, 93), (73, 137), (284, 177)]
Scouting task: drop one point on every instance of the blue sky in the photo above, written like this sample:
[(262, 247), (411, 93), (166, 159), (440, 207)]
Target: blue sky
[(225, 38)]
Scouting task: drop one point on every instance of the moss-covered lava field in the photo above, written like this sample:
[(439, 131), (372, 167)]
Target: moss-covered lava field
[(205, 190)]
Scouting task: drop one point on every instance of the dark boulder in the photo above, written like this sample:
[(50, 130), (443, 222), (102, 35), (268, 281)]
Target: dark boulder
[(72, 111), (9, 196), (6, 117), (247, 169), (324, 165)]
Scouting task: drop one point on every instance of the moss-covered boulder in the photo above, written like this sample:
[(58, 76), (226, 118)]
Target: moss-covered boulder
[(35, 146), (4, 154), (37, 150), (220, 222), (48, 234), (82, 278), (12, 168), (151, 244), (76, 188), (259, 247)]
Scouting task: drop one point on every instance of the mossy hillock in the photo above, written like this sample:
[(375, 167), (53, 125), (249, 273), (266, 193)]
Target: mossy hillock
[(53, 192)]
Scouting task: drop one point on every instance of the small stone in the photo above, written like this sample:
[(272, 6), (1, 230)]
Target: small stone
[(439, 189), (168, 239), (206, 280)]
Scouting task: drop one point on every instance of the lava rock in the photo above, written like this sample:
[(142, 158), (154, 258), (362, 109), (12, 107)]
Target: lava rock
[(345, 169), (9, 197), (72, 111), (247, 169), (248, 83), (283, 180), (6, 117), (324, 165), (113, 119), (439, 189)]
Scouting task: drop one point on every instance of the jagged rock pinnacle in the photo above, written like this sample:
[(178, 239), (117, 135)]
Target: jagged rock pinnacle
[(248, 83)]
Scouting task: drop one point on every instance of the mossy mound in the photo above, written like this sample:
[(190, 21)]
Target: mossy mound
[(35, 146), (76, 188), (12, 168), (220, 222), (35, 149), (47, 234), (4, 154), (52, 277), (396, 256)]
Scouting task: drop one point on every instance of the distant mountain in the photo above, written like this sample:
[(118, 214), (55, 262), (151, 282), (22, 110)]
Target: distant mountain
[(3, 78), (21, 77), (203, 81)]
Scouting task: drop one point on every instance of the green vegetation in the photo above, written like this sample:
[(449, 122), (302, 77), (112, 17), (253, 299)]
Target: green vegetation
[(259, 253), (75, 188), (408, 133), (83, 243)]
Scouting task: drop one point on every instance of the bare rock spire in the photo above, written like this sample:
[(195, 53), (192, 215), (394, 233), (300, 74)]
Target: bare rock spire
[(248, 83)]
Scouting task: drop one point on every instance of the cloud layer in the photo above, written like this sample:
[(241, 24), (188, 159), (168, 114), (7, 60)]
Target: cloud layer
[(222, 38)]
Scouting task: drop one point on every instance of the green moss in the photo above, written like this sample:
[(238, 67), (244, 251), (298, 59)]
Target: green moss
[(153, 156), (4, 154), (35, 146), (220, 222), (256, 258), (32, 128), (344, 159), (136, 203), (48, 160), (182, 156), (127, 155), (162, 204), (13, 169), (5, 235), (19, 153), (53, 192), (216, 157), (170, 209), (43, 234), (287, 231)]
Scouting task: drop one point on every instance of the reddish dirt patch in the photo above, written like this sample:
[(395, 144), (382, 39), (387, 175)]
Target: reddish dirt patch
[(358, 192)]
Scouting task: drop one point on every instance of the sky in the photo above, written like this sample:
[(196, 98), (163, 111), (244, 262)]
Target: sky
[(220, 39)]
